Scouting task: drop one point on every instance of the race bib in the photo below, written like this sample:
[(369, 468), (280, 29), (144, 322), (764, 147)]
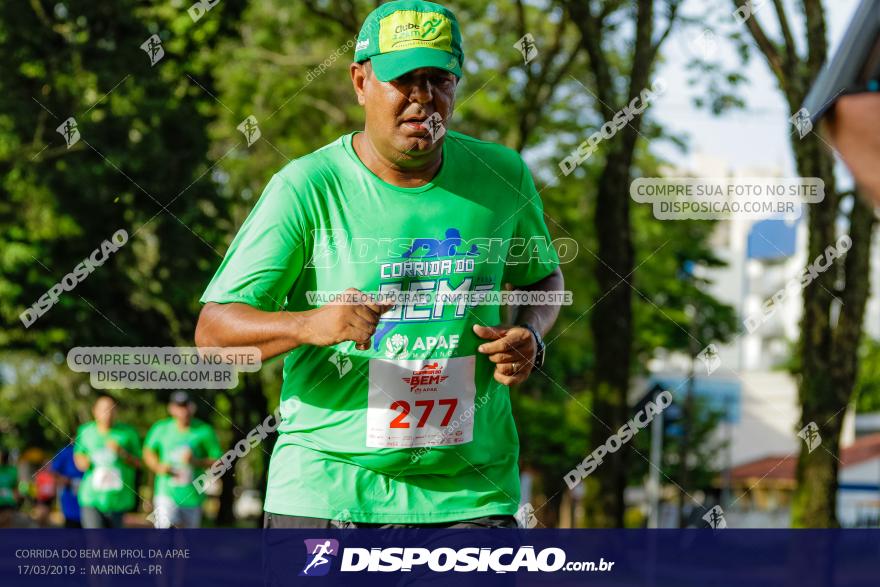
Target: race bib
[(414, 403), (182, 472), (182, 476), (107, 479)]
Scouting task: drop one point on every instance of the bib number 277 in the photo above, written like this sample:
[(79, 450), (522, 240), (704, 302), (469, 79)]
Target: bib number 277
[(427, 406)]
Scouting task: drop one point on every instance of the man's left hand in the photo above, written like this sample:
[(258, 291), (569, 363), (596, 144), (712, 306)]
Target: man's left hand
[(512, 349)]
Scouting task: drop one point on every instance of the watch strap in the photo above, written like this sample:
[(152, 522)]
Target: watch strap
[(539, 355)]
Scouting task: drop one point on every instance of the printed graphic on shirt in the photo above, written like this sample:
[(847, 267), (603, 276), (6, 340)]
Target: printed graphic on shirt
[(107, 476), (442, 268)]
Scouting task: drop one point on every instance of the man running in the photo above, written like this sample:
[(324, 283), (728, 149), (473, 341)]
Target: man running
[(106, 451), (9, 497), (393, 415), (68, 478), (178, 449)]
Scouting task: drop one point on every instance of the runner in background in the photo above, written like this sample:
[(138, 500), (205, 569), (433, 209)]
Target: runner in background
[(68, 478), (177, 450), (9, 497), (44, 495), (107, 452)]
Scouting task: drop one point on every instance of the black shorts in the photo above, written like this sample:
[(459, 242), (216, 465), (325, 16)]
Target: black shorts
[(292, 522)]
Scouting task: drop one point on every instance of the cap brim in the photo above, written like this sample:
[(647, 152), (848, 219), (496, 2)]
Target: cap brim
[(389, 66)]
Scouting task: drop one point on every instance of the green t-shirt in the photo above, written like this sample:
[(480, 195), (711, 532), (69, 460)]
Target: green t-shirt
[(8, 480), (414, 429), (108, 485), (169, 443)]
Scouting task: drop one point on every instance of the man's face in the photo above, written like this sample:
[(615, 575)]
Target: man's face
[(104, 411), (397, 111), (180, 412)]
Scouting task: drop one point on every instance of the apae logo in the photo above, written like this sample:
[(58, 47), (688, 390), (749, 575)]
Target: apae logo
[(395, 345)]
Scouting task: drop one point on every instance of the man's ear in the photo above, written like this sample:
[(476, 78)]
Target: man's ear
[(358, 73)]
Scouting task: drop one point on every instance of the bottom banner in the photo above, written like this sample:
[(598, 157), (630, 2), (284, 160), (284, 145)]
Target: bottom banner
[(678, 558)]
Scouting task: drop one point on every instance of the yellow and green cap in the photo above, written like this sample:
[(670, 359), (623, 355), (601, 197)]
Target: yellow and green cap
[(404, 35)]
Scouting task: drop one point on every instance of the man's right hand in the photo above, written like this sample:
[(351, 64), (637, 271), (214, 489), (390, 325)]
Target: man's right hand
[(339, 322)]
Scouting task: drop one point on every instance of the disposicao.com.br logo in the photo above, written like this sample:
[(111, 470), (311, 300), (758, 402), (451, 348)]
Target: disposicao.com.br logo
[(443, 559), (318, 553)]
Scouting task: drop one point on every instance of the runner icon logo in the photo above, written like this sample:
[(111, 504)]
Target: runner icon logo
[(319, 554), (448, 247), (342, 363)]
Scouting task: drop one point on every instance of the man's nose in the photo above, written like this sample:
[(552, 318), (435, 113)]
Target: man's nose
[(421, 92)]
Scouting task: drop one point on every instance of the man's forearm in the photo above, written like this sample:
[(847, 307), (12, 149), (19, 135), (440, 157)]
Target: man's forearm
[(541, 317), (129, 458), (151, 460), (274, 333), (82, 462)]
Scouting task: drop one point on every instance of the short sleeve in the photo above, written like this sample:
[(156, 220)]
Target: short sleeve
[(531, 256), (212, 445), (79, 445), (133, 442), (152, 440), (267, 254)]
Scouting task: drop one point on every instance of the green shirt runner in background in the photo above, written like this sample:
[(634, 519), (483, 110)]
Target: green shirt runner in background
[(8, 481), (415, 429), (108, 485), (169, 443)]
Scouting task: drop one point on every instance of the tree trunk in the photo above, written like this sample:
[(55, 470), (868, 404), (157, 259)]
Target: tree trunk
[(814, 504), (828, 350), (611, 324), (829, 355), (611, 319)]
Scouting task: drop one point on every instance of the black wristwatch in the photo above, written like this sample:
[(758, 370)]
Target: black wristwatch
[(539, 357)]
